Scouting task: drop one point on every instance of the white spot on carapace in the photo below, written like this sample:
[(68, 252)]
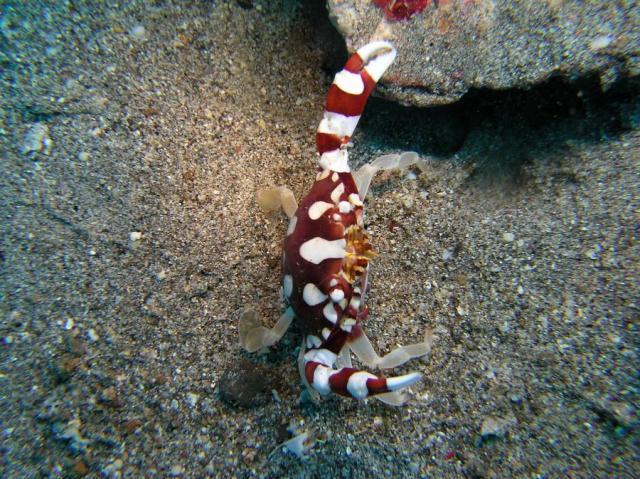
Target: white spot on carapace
[(348, 324), (335, 160), (337, 124), (326, 332), (312, 295), (292, 225), (333, 282), (287, 285), (357, 384), (335, 177), (322, 356), (337, 193), (355, 302), (330, 313), (337, 295), (337, 217), (313, 341), (319, 208), (323, 174), (345, 207), (317, 249), (355, 200), (343, 304), (349, 82)]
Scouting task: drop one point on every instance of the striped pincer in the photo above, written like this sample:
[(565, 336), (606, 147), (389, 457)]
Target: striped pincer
[(327, 252)]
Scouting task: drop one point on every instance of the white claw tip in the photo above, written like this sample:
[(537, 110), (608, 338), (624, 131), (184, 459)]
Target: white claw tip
[(377, 57), (400, 382)]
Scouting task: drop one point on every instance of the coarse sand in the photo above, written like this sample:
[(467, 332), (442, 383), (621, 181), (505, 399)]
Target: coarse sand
[(133, 138)]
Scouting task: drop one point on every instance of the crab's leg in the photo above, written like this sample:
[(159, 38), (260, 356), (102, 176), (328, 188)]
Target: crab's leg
[(254, 336), (272, 199), (346, 99), (352, 382), (363, 349), (366, 173), (321, 375)]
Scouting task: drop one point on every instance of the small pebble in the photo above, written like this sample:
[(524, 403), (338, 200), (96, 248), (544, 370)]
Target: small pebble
[(447, 254), (600, 43), (135, 236), (494, 426), (92, 335), (176, 470), (132, 425), (138, 32), (37, 140), (80, 468), (112, 469), (192, 399), (109, 397), (508, 237), (594, 252)]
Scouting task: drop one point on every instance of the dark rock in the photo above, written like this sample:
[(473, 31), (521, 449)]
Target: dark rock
[(63, 367), (246, 385), (447, 48)]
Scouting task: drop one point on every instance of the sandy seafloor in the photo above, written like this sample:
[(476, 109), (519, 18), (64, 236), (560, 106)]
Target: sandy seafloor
[(518, 246)]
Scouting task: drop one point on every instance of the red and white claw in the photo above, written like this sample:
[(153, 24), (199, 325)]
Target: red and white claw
[(352, 382)]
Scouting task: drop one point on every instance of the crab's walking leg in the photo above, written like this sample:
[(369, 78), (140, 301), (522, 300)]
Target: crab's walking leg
[(254, 336), (366, 173), (272, 199), (363, 349)]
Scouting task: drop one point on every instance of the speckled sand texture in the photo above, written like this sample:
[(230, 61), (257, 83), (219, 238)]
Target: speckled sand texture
[(133, 138)]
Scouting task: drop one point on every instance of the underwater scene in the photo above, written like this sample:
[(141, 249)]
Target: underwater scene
[(319, 239)]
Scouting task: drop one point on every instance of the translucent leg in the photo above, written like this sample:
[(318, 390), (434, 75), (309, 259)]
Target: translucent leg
[(366, 173), (254, 336), (361, 346), (344, 358), (272, 199), (395, 398)]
